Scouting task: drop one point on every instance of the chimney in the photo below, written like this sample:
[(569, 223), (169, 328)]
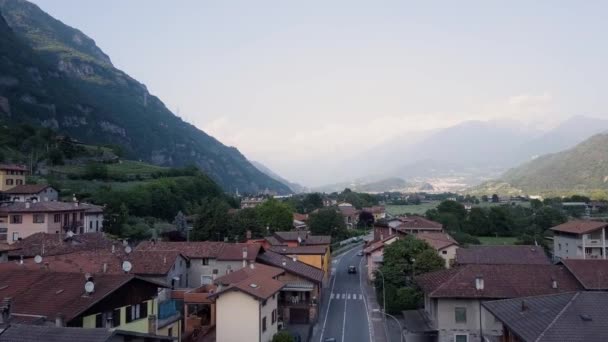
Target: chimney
[(284, 262), (553, 283), (479, 283), (113, 248), (27, 205), (248, 234), (164, 260), (294, 259), (5, 310), (60, 320), (105, 267), (252, 266), (244, 253)]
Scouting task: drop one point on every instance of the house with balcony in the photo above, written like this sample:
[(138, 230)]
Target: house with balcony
[(11, 175), (443, 243), (198, 310), (580, 239), (32, 193), (374, 254), (316, 256), (27, 218), (118, 301)]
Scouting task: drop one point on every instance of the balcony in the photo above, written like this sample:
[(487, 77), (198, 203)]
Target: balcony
[(74, 226)]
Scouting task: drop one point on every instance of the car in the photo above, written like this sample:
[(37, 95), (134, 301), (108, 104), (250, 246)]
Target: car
[(360, 253), (352, 269), (330, 339)]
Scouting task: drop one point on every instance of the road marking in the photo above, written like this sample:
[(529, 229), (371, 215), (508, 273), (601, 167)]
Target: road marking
[(328, 306), (344, 321), (332, 296), (360, 296), (369, 322), (348, 296)]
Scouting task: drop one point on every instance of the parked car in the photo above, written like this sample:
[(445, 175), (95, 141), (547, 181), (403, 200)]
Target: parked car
[(360, 253), (330, 339), (352, 269)]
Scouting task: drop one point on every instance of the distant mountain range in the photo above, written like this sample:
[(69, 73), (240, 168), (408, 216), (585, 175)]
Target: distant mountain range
[(582, 169), (375, 186), (294, 187), (55, 76)]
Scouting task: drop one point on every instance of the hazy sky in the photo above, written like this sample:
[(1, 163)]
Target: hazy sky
[(299, 84)]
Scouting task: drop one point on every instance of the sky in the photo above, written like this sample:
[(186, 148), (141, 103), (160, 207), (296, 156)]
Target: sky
[(305, 84)]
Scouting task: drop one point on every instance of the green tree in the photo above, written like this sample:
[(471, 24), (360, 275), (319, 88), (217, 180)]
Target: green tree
[(283, 336), (212, 221), (276, 215), (477, 222), (245, 220), (328, 221), (96, 171)]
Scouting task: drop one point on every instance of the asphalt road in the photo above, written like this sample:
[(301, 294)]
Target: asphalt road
[(346, 316)]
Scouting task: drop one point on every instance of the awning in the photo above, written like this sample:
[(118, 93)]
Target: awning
[(298, 286)]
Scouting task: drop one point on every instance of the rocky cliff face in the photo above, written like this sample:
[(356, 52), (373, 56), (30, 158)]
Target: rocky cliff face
[(54, 75)]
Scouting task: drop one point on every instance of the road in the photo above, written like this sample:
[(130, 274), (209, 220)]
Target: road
[(346, 315)]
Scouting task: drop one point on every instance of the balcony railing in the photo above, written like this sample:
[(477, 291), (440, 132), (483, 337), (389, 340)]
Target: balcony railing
[(73, 226), (169, 308)]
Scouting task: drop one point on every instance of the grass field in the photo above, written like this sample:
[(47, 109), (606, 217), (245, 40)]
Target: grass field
[(124, 168), (491, 240), (419, 209)]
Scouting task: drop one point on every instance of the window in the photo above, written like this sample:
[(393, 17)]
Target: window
[(3, 234), (137, 311), (264, 324), (9, 182), (99, 321), (444, 252), (559, 246), (16, 219), (116, 318), (15, 236), (460, 315), (205, 262), (264, 303), (19, 181), (274, 316), (170, 332), (38, 218), (57, 218), (206, 280), (461, 338), (91, 225)]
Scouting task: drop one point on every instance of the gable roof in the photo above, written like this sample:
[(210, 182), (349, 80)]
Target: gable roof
[(41, 207), (374, 246), (191, 249), (579, 226), (418, 222), (500, 281), (37, 333), (234, 251), (300, 250), (437, 240), (573, 317), (259, 286), (246, 272), (56, 244), (291, 266), (306, 237), (13, 167), (515, 255), (348, 210), (49, 293), (592, 274), (26, 189)]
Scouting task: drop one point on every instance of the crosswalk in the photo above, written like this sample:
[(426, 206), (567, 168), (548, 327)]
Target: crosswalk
[(346, 296)]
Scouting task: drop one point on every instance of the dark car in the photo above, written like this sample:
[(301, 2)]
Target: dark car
[(330, 339), (352, 269)]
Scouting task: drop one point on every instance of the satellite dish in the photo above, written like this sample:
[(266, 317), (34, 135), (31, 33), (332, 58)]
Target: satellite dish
[(125, 243), (126, 266), (89, 287), (70, 233), (128, 249), (38, 259)]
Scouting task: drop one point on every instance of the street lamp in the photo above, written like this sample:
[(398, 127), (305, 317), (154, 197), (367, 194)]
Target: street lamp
[(383, 290), (396, 320)]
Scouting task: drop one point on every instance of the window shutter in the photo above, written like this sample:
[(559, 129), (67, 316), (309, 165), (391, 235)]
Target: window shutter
[(129, 317), (116, 317), (143, 310), (99, 321)]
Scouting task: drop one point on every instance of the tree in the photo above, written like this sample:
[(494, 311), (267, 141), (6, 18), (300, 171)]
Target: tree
[(328, 222), (485, 198), (452, 207), (245, 220), (495, 198), (275, 215), (477, 222), (366, 219), (115, 218), (310, 202), (95, 171), (211, 221), (283, 336)]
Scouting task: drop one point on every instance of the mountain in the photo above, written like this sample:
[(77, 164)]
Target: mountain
[(55, 76), (375, 186), (581, 169), (294, 187)]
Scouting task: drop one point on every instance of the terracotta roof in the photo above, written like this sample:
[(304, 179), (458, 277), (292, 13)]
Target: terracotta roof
[(347, 211), (419, 222), (374, 246), (437, 240), (234, 251), (5, 247), (300, 217), (516, 254), (13, 167), (192, 249), (38, 207), (49, 293), (273, 241), (592, 274), (306, 237), (572, 317), (249, 271), (259, 286), (500, 281), (300, 250), (579, 226), (291, 266), (92, 208), (37, 333), (56, 244), (27, 189)]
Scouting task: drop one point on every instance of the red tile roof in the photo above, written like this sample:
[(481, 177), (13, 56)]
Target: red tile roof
[(592, 274), (348, 211), (516, 254), (192, 249), (50, 293), (374, 246), (235, 251), (291, 266), (39, 207), (56, 244), (25, 189), (300, 250), (306, 237), (418, 222), (437, 240), (4, 247), (249, 271), (300, 217), (579, 226), (13, 167), (500, 281)]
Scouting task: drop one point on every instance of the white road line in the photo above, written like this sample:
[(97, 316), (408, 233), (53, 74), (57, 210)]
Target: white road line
[(327, 311), (369, 322), (332, 296), (348, 296), (360, 296), (354, 296), (344, 321)]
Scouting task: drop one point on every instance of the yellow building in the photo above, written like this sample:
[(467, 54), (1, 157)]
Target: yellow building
[(11, 176), (317, 256)]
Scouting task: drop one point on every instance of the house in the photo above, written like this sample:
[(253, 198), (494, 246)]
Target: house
[(252, 202), (198, 310), (11, 176), (384, 229), (34, 333), (299, 221), (573, 317), (580, 239), (120, 301), (374, 254), (298, 300), (443, 243), (247, 305), (45, 244), (502, 255), (293, 239), (378, 211), (4, 250), (93, 218), (453, 297), (208, 259), (317, 256), (416, 224), (592, 274), (329, 202), (350, 214), (25, 219), (32, 193)]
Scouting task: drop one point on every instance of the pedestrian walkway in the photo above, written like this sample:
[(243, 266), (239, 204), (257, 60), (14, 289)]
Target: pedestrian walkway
[(346, 296), (377, 319)]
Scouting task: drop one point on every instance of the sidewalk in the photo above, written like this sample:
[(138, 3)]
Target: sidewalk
[(377, 319)]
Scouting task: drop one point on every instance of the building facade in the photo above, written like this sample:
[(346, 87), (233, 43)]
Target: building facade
[(580, 239), (11, 176)]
